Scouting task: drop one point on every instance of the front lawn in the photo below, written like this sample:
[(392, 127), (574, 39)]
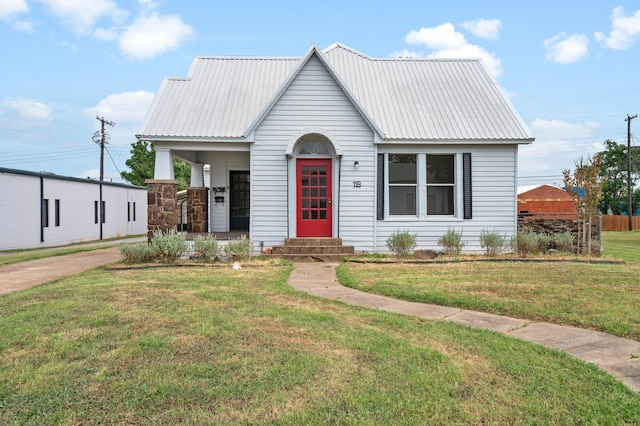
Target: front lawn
[(603, 297), (211, 345)]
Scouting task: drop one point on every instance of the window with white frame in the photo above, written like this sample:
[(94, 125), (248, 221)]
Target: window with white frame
[(441, 183), (403, 184), (424, 185)]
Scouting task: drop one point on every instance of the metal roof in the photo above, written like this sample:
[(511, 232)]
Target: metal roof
[(402, 99)]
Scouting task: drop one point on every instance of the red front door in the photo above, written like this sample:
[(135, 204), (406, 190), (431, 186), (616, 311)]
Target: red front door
[(313, 190)]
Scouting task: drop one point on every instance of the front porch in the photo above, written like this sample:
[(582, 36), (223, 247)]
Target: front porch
[(220, 236)]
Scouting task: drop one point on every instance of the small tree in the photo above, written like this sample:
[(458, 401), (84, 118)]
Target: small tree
[(585, 187), (142, 164)]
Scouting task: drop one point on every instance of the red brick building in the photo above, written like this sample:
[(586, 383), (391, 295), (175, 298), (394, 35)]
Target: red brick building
[(545, 201)]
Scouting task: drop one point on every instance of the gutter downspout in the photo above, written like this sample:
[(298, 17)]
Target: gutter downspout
[(41, 209), (337, 206), (101, 218)]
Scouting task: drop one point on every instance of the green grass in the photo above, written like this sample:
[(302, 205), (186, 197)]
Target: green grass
[(622, 245), (212, 345), (603, 297), (8, 257), (24, 256)]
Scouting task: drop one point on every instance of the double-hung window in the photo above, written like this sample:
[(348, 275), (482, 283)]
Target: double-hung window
[(424, 185), (403, 184), (441, 182)]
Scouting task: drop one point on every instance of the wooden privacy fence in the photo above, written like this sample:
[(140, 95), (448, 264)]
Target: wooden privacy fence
[(619, 223)]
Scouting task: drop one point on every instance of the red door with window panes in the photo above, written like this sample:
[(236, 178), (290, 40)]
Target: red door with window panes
[(314, 205)]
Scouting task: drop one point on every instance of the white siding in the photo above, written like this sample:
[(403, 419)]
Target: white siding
[(20, 218), (313, 101), (20, 212), (494, 200)]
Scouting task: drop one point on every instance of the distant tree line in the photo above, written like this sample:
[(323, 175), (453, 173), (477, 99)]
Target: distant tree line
[(613, 166)]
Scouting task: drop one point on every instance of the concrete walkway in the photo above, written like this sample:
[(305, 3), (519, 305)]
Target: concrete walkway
[(23, 275), (617, 356)]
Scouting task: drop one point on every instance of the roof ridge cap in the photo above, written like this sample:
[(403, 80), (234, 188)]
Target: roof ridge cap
[(338, 45), (248, 57)]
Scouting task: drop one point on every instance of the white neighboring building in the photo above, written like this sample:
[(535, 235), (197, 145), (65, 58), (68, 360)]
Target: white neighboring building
[(44, 210)]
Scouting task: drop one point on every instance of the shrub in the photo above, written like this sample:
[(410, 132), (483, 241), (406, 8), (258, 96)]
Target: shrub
[(528, 243), (563, 242), (402, 243), (240, 247), (137, 253), (207, 247), (451, 242), (544, 241), (169, 245), (492, 242)]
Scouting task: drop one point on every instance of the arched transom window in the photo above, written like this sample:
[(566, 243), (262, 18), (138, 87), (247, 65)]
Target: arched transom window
[(314, 145)]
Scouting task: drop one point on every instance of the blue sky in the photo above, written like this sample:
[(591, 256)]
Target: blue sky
[(571, 68)]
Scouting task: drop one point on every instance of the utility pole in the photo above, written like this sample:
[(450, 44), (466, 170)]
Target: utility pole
[(629, 188), (102, 137)]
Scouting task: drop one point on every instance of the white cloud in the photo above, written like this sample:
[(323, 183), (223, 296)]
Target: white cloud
[(81, 16), (485, 28), (624, 30), (558, 129), (153, 35), (150, 35), (443, 36), (564, 49), (28, 109), (449, 43), (106, 34), (24, 26), (9, 8), (127, 107), (557, 146), (126, 110), (147, 6)]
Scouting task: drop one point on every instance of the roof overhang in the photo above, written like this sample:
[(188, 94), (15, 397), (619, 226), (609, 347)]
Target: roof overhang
[(195, 139), (454, 141)]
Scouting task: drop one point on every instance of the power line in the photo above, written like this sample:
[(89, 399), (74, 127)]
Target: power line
[(114, 163)]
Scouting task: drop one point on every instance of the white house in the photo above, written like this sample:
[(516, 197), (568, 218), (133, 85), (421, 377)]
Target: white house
[(44, 210), (338, 144)]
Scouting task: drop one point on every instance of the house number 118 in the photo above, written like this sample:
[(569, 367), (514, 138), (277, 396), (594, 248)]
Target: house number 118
[(357, 184)]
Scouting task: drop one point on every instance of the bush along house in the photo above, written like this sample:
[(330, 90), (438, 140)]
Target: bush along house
[(337, 145)]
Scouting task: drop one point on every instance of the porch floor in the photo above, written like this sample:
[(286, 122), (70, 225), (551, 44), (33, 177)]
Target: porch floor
[(220, 236)]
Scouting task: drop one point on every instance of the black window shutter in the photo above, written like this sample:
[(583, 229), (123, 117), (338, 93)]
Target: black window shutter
[(466, 184), (380, 188)]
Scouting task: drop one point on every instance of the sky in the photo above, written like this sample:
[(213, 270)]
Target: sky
[(571, 68)]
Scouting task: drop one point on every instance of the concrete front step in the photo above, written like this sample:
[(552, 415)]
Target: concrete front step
[(319, 249), (313, 249), (313, 241)]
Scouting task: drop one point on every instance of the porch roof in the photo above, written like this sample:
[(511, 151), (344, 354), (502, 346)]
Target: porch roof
[(404, 99)]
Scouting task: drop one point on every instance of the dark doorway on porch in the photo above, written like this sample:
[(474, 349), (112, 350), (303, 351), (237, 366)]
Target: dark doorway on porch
[(239, 200)]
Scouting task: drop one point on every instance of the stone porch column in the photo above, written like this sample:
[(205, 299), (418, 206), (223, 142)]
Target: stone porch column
[(197, 209), (162, 205)]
